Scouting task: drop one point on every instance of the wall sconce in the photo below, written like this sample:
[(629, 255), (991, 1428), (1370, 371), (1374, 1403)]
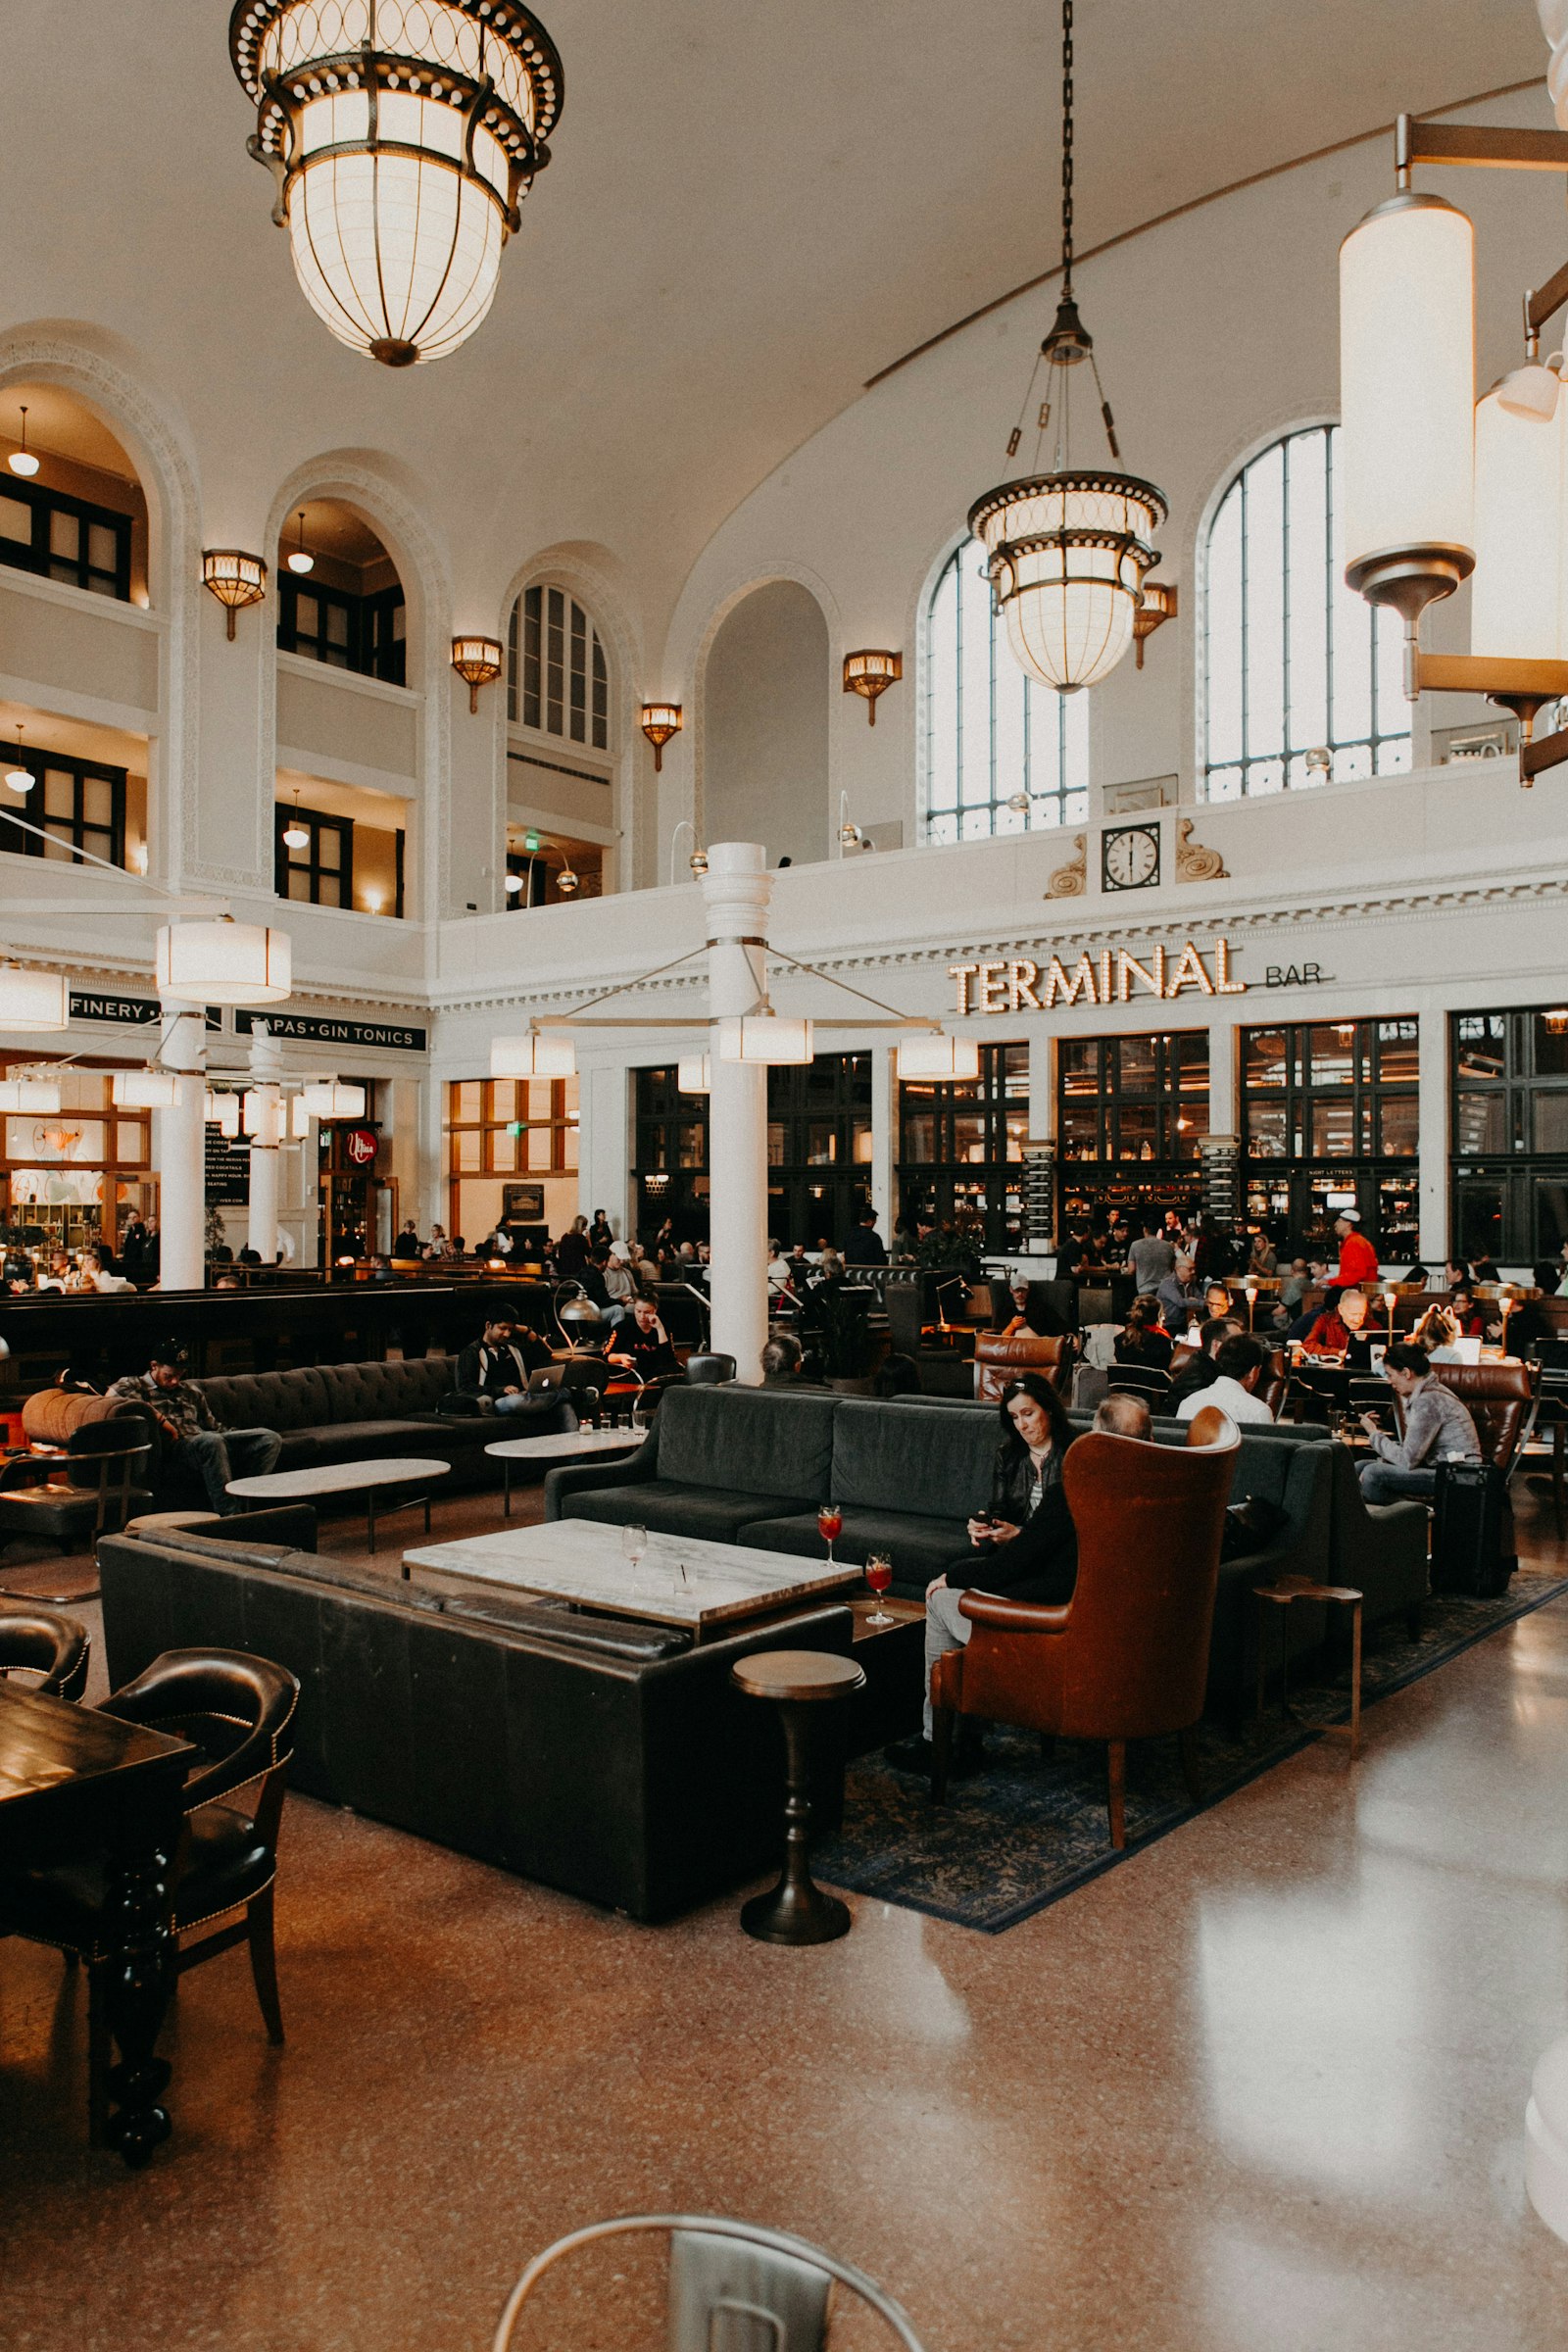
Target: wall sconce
[(1556, 1021), (1160, 604), (870, 674), (659, 721), (234, 578), (477, 661)]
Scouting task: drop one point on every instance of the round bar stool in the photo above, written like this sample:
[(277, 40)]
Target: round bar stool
[(798, 1682)]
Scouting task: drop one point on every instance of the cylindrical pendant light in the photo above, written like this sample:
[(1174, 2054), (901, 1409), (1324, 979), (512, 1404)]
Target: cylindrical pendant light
[(262, 1115), (222, 1111), (694, 1074), (146, 1090), (1516, 598), (1407, 401), (298, 1119), (223, 962), (953, 1058), (763, 1037), (332, 1099), (40, 1095), (536, 1055), (33, 999)]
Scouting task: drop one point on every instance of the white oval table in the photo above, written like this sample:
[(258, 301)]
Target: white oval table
[(347, 1478), (567, 1445)]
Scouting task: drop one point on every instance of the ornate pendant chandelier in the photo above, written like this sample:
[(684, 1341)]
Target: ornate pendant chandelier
[(403, 135), (1067, 549)]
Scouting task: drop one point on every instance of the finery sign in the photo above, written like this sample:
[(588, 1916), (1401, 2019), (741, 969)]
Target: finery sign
[(1108, 978)]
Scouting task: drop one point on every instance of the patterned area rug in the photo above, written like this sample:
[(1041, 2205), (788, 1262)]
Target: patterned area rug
[(1027, 1831)]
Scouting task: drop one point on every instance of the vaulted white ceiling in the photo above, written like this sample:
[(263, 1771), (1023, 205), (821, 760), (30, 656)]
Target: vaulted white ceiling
[(752, 210)]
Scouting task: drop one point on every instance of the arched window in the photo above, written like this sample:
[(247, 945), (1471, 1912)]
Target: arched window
[(557, 676), (1303, 679), (1003, 753)]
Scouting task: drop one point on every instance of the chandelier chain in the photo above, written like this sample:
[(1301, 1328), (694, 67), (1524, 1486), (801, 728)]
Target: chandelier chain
[(1066, 146)]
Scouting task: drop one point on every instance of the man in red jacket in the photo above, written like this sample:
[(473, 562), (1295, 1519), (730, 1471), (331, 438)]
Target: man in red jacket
[(1359, 1260)]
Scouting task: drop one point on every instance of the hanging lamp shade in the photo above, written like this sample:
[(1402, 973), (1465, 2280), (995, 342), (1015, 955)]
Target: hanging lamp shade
[(222, 1111), (694, 1073), (333, 1098), (1516, 597), (1407, 401), (403, 135), (535, 1056), (262, 1115), (146, 1090), (1067, 553), (40, 1095), (223, 962), (33, 999), (939, 1058), (764, 1037), (298, 1119)]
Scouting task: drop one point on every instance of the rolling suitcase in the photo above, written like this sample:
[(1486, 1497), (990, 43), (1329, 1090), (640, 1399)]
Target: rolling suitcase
[(1472, 1534)]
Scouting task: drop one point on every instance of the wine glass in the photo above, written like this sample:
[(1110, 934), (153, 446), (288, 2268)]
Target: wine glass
[(879, 1575), (830, 1524), (634, 1542)]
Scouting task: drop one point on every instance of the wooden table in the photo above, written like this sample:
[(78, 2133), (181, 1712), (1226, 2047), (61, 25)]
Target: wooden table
[(74, 1785), (347, 1478), (1280, 1596)]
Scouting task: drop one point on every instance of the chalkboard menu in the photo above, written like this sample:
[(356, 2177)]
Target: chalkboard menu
[(228, 1170)]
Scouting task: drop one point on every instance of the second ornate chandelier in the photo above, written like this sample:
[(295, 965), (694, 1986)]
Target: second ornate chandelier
[(1068, 548)]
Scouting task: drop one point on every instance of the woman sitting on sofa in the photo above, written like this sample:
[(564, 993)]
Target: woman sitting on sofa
[(1022, 1543)]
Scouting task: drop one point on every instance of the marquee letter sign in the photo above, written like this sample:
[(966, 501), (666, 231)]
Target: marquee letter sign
[(1110, 978)]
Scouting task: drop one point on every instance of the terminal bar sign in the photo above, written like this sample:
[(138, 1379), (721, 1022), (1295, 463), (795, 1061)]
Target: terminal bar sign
[(1021, 985)]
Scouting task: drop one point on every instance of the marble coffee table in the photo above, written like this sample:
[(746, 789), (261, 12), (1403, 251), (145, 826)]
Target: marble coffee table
[(347, 1478), (567, 1445), (680, 1580)]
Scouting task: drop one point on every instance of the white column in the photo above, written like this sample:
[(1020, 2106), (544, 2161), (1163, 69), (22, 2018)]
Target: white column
[(266, 1066), (737, 888), (884, 1142), (1222, 1095), (1432, 1138), (179, 1143)]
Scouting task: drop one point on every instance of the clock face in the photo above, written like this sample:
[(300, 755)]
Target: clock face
[(1129, 858)]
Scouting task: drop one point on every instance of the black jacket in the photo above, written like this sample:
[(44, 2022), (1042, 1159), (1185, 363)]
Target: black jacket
[(865, 1247), (491, 1371), (1040, 1561)]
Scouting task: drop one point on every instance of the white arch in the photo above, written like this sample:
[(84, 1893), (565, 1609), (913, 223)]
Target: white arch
[(101, 373), (692, 668), (587, 572), (365, 480)]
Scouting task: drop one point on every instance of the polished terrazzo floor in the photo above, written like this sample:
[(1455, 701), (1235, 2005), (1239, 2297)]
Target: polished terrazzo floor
[(1259, 2091)]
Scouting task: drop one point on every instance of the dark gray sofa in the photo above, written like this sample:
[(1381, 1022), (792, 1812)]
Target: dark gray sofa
[(605, 1757), (357, 1412), (750, 1467)]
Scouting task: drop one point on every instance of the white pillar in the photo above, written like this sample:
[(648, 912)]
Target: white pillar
[(1432, 1138), (266, 1067), (882, 1182), (179, 1144), (736, 888)]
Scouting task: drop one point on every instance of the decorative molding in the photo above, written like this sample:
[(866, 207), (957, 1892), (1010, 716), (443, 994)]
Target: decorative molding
[(1071, 881), (1195, 863)]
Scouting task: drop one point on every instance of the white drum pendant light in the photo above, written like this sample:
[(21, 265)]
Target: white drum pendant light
[(223, 962), (332, 1099), (532, 1056), (1067, 549), (939, 1058), (764, 1037), (1407, 404), (33, 999), (1516, 598), (403, 135), (146, 1090), (694, 1074), (38, 1095)]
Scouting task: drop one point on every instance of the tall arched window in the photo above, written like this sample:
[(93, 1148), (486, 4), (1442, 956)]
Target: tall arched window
[(1303, 679), (557, 677), (1003, 753)]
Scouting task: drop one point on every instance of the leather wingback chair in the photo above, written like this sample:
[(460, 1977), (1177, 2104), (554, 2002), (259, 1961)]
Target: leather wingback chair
[(1499, 1398), (1127, 1657), (998, 1362), (41, 1643)]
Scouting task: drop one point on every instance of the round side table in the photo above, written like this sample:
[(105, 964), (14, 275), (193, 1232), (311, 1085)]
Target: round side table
[(799, 1682)]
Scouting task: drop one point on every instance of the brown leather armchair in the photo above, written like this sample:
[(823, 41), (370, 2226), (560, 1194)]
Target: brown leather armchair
[(998, 1362), (1127, 1657), (1499, 1398)]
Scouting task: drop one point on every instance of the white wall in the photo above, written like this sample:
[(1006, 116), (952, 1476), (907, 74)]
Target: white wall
[(765, 725)]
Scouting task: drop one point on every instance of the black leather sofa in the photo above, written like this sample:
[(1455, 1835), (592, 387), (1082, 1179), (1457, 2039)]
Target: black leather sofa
[(360, 1412), (602, 1756), (750, 1467)]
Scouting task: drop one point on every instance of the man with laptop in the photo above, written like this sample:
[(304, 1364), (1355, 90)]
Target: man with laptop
[(496, 1371)]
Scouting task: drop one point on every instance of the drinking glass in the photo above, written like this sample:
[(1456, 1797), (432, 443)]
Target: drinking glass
[(879, 1575), (829, 1524), (634, 1542)]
